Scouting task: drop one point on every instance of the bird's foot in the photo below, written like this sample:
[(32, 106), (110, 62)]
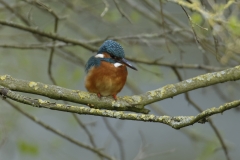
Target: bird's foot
[(99, 95), (114, 96)]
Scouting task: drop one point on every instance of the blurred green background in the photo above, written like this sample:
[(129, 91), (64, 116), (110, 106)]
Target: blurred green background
[(22, 139)]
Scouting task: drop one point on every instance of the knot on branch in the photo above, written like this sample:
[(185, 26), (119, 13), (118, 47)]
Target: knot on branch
[(203, 120), (3, 92)]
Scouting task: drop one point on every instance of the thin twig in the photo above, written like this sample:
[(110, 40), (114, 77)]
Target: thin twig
[(53, 48), (169, 17), (149, 71), (49, 35), (143, 12), (43, 7), (198, 108), (14, 12), (137, 36), (116, 136), (224, 146), (216, 47), (42, 46), (85, 129), (163, 24), (65, 56), (194, 33), (180, 66), (121, 11), (80, 144), (131, 85), (150, 16), (106, 8), (50, 67), (221, 94), (21, 17), (157, 109)]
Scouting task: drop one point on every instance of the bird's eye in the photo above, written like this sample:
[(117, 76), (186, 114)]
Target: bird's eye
[(113, 57)]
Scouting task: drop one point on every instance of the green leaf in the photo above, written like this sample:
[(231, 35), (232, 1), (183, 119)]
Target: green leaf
[(27, 148), (77, 74), (234, 25), (197, 18), (112, 15), (135, 16), (208, 150)]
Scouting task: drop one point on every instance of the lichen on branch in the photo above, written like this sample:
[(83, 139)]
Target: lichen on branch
[(134, 103)]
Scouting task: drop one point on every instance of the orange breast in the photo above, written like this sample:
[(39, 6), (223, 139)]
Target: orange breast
[(106, 79)]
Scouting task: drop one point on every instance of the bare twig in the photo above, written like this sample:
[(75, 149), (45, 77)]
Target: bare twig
[(48, 35), (50, 67), (180, 66), (216, 47), (15, 12), (218, 134), (166, 14), (43, 7), (116, 136), (163, 24), (144, 12), (159, 111), (121, 11), (70, 56), (43, 46), (85, 129), (198, 108), (56, 18), (221, 94), (137, 36), (106, 8), (190, 21), (80, 144)]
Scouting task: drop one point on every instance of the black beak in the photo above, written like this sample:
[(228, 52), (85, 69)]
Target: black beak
[(127, 63)]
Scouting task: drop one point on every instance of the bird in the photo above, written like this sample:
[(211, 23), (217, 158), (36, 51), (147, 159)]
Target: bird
[(106, 72)]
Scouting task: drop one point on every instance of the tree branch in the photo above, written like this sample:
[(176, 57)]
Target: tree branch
[(80, 144), (176, 122), (134, 103), (171, 64), (59, 93), (48, 35)]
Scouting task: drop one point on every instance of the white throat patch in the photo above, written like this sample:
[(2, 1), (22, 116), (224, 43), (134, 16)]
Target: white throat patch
[(117, 64), (99, 56)]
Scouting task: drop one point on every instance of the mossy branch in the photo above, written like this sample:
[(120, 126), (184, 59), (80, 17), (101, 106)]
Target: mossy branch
[(134, 103), (176, 122), (76, 96)]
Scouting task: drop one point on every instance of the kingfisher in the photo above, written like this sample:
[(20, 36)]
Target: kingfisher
[(107, 70)]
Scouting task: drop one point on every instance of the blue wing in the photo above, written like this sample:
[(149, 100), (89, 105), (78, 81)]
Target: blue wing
[(93, 61)]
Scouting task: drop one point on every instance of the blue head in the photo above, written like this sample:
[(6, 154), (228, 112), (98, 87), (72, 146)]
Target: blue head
[(113, 48), (115, 52)]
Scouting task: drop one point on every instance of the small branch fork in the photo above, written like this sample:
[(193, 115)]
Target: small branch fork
[(176, 122), (198, 108), (53, 130), (134, 103), (48, 35)]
